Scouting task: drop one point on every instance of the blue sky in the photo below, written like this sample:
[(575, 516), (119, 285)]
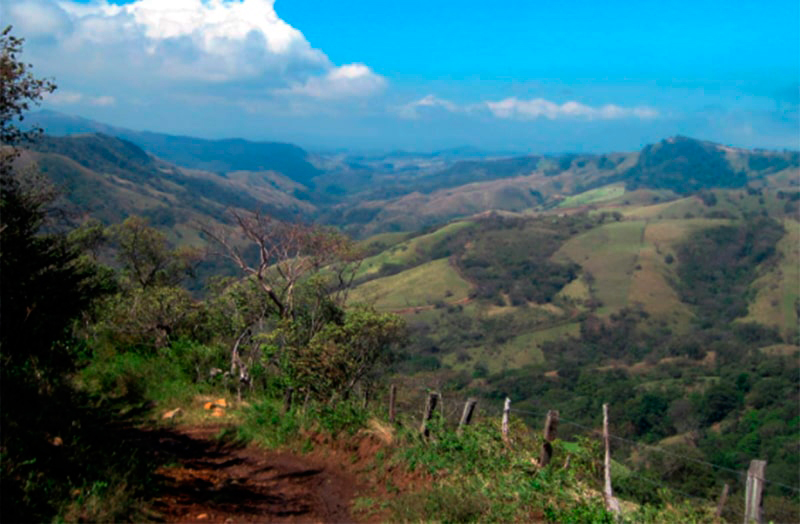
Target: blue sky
[(512, 75)]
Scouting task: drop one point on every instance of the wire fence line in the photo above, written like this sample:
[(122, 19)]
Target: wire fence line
[(450, 405), (740, 474)]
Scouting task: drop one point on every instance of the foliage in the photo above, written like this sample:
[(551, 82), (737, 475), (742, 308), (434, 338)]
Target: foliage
[(513, 257), (341, 355), (267, 424), (19, 88), (683, 165), (717, 266), (146, 258)]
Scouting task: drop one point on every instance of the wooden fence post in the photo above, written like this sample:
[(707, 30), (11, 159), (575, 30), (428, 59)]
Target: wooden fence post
[(754, 487), (723, 498), (466, 415), (506, 411), (611, 503), (550, 432), (287, 399), (392, 400), (365, 403), (430, 406)]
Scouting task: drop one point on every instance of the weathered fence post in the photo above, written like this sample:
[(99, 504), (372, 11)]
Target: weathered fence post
[(611, 503), (430, 406), (365, 403), (550, 432), (287, 399), (754, 487), (466, 415), (506, 412), (723, 498), (392, 400)]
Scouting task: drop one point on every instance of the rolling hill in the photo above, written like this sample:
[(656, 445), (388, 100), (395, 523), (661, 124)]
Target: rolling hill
[(218, 156), (111, 178)]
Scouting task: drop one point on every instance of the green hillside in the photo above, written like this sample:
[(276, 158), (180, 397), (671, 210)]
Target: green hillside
[(419, 287), (112, 179)]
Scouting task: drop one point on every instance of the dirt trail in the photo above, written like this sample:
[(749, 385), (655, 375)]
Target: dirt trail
[(219, 483)]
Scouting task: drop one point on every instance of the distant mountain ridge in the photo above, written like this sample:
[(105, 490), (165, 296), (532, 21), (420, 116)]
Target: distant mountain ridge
[(393, 191), (218, 156)]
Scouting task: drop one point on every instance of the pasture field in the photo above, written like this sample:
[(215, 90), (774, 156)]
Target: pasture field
[(520, 351), (577, 290), (601, 194), (676, 209), (409, 252), (382, 241), (420, 286), (609, 254)]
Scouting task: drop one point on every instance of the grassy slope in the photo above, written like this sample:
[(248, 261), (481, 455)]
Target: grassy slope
[(520, 351), (601, 194), (650, 285), (778, 289), (420, 286), (609, 252), (408, 252)]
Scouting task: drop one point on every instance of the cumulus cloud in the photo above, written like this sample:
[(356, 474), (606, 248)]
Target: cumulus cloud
[(241, 46), (541, 108), (37, 18), (344, 81)]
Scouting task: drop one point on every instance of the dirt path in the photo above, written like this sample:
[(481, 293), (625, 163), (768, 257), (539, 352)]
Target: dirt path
[(214, 482)]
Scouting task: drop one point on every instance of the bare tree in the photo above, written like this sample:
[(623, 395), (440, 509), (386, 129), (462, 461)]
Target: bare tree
[(288, 254), (305, 271)]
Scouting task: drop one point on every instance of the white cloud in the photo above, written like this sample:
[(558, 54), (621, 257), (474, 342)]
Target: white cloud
[(541, 108), (514, 108), (103, 101), (411, 110), (240, 46), (341, 82), (37, 18), (63, 98)]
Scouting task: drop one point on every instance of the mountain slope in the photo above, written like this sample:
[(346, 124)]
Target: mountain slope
[(212, 155), (111, 178)]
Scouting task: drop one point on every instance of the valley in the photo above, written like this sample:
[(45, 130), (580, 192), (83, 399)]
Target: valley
[(664, 281)]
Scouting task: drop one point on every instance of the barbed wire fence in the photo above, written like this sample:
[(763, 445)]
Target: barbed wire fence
[(735, 494)]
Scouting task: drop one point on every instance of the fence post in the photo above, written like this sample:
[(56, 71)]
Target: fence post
[(287, 399), (430, 406), (755, 485), (723, 498), (550, 432), (506, 411), (366, 398), (611, 503), (466, 415), (392, 400)]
